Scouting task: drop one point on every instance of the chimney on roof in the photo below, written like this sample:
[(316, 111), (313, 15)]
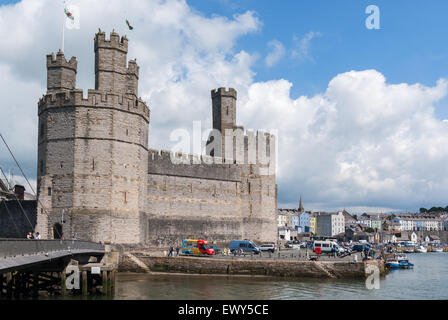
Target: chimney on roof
[(19, 191)]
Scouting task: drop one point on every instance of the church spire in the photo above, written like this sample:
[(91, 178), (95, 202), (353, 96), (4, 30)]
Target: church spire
[(301, 205)]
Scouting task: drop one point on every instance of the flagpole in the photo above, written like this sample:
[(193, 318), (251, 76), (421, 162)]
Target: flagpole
[(63, 29), (63, 32)]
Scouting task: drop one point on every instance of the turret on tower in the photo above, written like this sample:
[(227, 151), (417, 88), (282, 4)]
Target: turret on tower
[(224, 117), (61, 74), (132, 78), (110, 62), (224, 108)]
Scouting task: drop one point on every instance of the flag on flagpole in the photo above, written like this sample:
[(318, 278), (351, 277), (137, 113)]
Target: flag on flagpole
[(129, 25), (69, 14)]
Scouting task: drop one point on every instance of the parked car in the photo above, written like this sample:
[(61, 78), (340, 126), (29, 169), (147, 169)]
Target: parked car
[(268, 247), (247, 246), (289, 244), (344, 249), (361, 247), (216, 248)]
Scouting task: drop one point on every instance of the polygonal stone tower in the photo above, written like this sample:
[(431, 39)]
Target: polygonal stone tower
[(93, 151), (224, 118)]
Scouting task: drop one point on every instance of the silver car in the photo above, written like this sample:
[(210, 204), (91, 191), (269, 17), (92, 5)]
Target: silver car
[(267, 247)]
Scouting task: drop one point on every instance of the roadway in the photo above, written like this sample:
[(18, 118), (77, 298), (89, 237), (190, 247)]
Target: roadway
[(30, 255)]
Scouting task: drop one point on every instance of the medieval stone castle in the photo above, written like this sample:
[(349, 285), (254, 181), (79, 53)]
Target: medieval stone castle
[(99, 181)]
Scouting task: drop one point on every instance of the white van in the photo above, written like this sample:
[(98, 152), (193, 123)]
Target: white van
[(326, 246)]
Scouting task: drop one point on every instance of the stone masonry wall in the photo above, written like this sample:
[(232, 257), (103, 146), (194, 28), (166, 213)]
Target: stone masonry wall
[(274, 268), (216, 202), (98, 179)]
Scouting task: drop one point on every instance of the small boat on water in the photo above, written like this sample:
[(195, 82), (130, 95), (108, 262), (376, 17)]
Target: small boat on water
[(400, 261), (405, 264), (422, 249), (392, 264), (438, 249)]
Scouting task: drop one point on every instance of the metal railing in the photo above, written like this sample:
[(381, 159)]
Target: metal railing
[(21, 247)]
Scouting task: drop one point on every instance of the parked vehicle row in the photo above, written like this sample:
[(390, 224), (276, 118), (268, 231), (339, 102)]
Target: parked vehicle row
[(201, 247)]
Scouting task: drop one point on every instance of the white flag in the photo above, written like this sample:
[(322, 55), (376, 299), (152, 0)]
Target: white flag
[(72, 17)]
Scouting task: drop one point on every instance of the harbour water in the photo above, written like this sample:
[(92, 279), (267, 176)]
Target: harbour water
[(427, 280)]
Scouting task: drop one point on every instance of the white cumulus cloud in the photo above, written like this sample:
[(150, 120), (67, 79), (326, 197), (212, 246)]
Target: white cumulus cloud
[(362, 142), (277, 52)]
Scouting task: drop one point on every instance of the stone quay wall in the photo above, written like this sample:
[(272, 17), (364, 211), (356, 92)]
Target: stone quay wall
[(272, 268)]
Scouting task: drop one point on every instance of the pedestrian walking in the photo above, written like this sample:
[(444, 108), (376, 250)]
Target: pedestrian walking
[(177, 251), (29, 236), (37, 236), (170, 254)]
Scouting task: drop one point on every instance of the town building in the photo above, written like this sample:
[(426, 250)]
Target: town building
[(287, 233), (330, 224), (294, 218), (313, 228), (418, 222), (304, 222)]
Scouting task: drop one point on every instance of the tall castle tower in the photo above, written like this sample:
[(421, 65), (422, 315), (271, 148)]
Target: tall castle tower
[(224, 118), (93, 152)]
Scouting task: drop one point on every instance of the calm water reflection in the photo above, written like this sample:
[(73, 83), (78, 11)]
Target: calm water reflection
[(428, 280)]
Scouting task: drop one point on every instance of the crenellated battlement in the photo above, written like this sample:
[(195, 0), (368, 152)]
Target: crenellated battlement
[(223, 92), (165, 155), (61, 74), (94, 163), (160, 162), (114, 41), (257, 148), (59, 61), (95, 98)]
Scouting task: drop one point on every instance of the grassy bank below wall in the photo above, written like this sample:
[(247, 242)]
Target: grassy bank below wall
[(272, 268)]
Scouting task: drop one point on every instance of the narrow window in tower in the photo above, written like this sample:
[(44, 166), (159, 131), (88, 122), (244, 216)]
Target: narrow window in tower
[(136, 103), (49, 191), (93, 164), (127, 132), (227, 111), (249, 186), (125, 198), (62, 164)]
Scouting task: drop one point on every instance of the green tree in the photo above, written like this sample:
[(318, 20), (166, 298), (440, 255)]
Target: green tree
[(436, 209)]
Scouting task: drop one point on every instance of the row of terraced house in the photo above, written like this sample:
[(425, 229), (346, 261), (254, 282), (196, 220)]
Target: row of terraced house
[(299, 224)]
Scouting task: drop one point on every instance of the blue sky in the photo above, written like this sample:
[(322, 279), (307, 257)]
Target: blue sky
[(410, 46), (390, 156)]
